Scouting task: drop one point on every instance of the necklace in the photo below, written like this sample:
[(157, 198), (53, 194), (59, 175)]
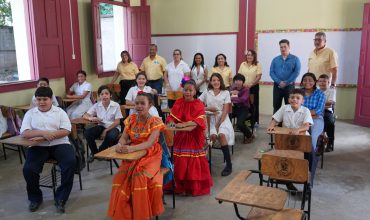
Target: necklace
[(137, 130)]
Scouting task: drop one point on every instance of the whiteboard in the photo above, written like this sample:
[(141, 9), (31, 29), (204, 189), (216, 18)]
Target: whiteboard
[(345, 43), (208, 45)]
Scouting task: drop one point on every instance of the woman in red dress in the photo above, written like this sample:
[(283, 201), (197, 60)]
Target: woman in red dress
[(192, 174)]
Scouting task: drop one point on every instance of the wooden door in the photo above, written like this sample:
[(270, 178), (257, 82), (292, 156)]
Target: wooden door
[(138, 32), (362, 115)]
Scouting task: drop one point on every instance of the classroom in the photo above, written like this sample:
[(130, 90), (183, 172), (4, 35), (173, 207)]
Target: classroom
[(199, 155)]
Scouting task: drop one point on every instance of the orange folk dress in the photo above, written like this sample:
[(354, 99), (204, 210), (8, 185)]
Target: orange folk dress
[(192, 174), (137, 186)]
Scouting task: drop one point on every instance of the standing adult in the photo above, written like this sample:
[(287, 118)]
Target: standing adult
[(284, 70), (154, 67), (252, 72), (126, 69), (223, 68), (173, 75), (199, 73), (323, 60)]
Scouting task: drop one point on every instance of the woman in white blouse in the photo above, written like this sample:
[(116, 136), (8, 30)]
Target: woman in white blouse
[(199, 73), (174, 73), (217, 100)]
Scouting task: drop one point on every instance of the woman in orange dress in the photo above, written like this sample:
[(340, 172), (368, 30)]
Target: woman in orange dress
[(137, 186), (192, 174)]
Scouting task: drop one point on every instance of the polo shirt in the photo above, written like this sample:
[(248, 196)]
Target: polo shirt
[(108, 115), (321, 61), (250, 72), (127, 71), (154, 68), (226, 73)]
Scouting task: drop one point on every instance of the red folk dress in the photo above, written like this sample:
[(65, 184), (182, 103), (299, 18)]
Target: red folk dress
[(137, 186), (192, 174)]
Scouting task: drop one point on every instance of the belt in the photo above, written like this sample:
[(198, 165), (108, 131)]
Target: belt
[(155, 80)]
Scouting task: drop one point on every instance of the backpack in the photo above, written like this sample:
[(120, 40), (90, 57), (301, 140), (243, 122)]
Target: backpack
[(79, 147)]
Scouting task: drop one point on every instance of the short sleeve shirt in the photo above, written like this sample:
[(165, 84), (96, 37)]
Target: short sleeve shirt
[(108, 115), (175, 74), (321, 61), (80, 89), (250, 72), (330, 95), (211, 100), (226, 74), (132, 92), (127, 71), (293, 119), (154, 68), (52, 120)]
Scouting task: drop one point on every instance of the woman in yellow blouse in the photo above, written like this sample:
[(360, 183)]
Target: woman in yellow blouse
[(223, 68), (252, 72), (127, 70)]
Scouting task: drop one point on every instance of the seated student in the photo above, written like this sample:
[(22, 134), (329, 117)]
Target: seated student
[(240, 100), (3, 122), (108, 114), (140, 86), (43, 82), (50, 124), (217, 100), (137, 186), (329, 120), (80, 90)]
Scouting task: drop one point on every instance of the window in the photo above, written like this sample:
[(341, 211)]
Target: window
[(15, 52)]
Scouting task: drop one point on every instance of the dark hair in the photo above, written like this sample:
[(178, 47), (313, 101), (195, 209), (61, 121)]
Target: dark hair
[(101, 88), (240, 77), (324, 76), (222, 84), (312, 76), (128, 54), (149, 96), (220, 54), (284, 41), (153, 45), (320, 34), (191, 82), (44, 79), (81, 72), (254, 54), (44, 92), (297, 91), (201, 63)]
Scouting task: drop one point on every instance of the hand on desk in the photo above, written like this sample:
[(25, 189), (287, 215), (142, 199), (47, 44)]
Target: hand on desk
[(120, 148), (271, 128), (49, 136), (95, 119), (37, 139), (294, 131)]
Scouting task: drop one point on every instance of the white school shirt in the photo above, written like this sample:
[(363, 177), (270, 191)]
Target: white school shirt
[(211, 100), (53, 98), (3, 124), (108, 115), (198, 77), (293, 119), (175, 74), (80, 89), (330, 95), (52, 120)]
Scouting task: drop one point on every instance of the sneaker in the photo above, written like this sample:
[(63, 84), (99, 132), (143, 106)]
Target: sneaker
[(59, 204), (227, 171), (329, 148), (33, 206)]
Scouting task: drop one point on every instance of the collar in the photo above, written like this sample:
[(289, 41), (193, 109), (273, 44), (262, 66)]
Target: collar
[(290, 109), (316, 51), (100, 104), (288, 57), (52, 109)]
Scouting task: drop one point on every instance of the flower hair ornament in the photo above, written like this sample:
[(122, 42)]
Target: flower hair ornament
[(140, 92), (184, 80)]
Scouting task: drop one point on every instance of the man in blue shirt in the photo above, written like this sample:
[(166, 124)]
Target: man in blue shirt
[(284, 70)]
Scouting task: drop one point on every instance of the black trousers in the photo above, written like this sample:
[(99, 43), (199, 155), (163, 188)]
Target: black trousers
[(279, 94), (65, 156), (255, 91), (125, 86), (242, 113), (93, 133), (329, 125)]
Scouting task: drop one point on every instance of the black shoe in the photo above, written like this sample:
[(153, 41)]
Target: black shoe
[(33, 206), (291, 188), (91, 158), (59, 204), (329, 148), (227, 171)]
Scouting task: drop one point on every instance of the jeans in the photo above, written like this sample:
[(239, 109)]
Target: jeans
[(279, 94), (125, 86), (242, 113), (329, 125), (316, 129), (65, 156), (156, 84), (94, 133)]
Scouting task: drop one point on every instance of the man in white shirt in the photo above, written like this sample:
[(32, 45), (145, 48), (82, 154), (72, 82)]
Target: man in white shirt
[(51, 125)]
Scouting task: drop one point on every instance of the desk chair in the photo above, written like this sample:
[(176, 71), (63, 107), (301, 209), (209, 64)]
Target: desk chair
[(14, 125)]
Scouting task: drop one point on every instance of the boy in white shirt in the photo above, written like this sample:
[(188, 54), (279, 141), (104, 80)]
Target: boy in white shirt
[(108, 114), (329, 120), (51, 125), (43, 82)]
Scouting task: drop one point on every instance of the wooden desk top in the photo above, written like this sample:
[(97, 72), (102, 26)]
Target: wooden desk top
[(69, 100), (239, 192), (190, 128), (281, 153), (128, 106), (263, 214), (110, 153), (281, 130), (82, 121), (23, 107), (20, 141)]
